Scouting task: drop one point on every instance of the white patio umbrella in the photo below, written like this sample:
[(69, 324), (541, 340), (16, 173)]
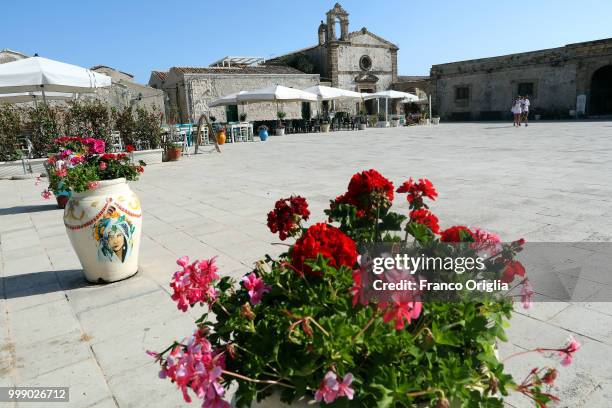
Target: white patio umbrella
[(226, 100), (277, 93), (390, 94), (33, 96), (38, 74), (327, 93)]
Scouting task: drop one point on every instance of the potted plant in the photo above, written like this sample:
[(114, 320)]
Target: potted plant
[(435, 118), (262, 131), (395, 121), (425, 118), (221, 135), (302, 328), (280, 128), (325, 125), (103, 217), (243, 117), (363, 119), (172, 150)]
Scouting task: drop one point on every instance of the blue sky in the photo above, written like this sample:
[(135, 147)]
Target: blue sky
[(140, 36)]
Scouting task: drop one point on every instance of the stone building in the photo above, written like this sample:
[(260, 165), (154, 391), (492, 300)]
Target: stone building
[(189, 90), (7, 55), (359, 61), (574, 80), (124, 91)]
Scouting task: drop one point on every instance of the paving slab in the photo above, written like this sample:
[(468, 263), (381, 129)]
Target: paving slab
[(547, 183)]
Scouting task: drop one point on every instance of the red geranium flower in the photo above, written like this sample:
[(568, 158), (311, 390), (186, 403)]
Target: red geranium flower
[(129, 148), (512, 269), (286, 216), (330, 242), (452, 234), (426, 218), (366, 190), (416, 191)]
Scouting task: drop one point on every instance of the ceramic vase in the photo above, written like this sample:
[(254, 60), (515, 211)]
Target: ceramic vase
[(104, 225)]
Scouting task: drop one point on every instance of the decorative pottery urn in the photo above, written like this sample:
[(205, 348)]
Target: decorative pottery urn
[(104, 225)]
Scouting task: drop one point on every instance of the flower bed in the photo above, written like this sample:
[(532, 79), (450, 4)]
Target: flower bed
[(303, 325)]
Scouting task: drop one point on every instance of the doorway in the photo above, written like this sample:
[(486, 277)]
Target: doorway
[(231, 113), (601, 92), (370, 104)]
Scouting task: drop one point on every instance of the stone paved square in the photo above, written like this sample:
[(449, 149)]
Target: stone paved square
[(550, 182)]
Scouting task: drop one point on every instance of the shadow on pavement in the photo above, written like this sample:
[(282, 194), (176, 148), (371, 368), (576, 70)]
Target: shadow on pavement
[(39, 283), (24, 209)]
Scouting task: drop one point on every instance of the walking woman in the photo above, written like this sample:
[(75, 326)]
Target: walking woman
[(517, 111)]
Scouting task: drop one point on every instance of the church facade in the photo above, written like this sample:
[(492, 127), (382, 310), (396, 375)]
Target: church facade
[(359, 61)]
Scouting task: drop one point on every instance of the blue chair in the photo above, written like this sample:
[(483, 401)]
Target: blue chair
[(188, 129)]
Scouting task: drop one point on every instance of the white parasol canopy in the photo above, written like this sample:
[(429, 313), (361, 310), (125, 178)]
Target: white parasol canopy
[(391, 94), (226, 100), (277, 93), (327, 93), (33, 96), (42, 74)]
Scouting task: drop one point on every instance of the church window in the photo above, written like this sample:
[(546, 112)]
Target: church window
[(365, 63)]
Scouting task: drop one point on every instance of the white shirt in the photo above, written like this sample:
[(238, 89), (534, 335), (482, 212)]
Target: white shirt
[(526, 104)]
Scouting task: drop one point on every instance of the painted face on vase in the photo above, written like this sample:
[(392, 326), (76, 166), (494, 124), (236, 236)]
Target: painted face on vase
[(113, 234)]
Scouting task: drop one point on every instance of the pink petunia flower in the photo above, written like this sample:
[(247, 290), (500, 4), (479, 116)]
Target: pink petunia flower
[(568, 351), (256, 287), (195, 365), (92, 185), (402, 309), (328, 389), (46, 194), (344, 389), (195, 283), (61, 172), (103, 165)]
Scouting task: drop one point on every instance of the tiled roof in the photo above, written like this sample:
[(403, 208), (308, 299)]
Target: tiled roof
[(160, 74), (257, 69)]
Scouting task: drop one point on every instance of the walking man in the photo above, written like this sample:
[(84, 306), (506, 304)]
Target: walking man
[(525, 109)]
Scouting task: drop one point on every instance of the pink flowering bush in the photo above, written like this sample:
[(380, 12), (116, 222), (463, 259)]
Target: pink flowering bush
[(303, 325), (80, 163)]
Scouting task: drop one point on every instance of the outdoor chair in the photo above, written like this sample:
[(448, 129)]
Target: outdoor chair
[(187, 128), (142, 145), (116, 142), (205, 136), (26, 147)]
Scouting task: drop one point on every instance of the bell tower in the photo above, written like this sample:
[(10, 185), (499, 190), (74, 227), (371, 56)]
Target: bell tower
[(334, 16)]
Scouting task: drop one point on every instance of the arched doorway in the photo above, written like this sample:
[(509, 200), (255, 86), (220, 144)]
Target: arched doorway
[(601, 92)]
